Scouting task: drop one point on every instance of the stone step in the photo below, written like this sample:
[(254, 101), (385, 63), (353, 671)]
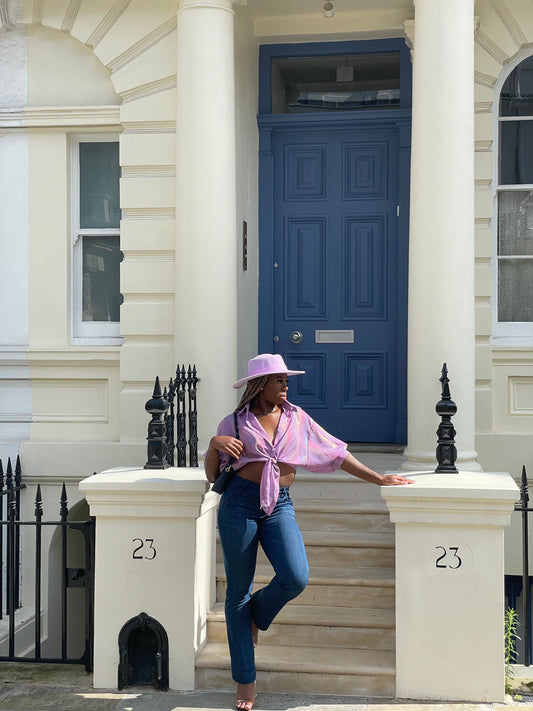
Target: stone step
[(345, 549), (314, 670), (331, 515), (318, 626), (367, 588)]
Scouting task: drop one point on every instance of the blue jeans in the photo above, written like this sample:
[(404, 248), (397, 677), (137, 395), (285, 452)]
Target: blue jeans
[(242, 524)]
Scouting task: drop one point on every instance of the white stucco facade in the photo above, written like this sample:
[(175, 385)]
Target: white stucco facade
[(177, 83)]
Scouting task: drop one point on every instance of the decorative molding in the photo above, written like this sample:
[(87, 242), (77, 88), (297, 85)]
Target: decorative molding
[(485, 79), (409, 33), (97, 388), (483, 146), (106, 23), (144, 298), (483, 107), (149, 126), (511, 24), (491, 47), (151, 340), (148, 171), (144, 213), (37, 15), (146, 255), (70, 15), (37, 117), (143, 44), (150, 88)]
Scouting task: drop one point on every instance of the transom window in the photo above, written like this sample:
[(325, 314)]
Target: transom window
[(335, 83), (515, 203), (96, 237)]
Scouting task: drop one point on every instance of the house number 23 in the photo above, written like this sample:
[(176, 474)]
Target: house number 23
[(145, 549), (448, 558)]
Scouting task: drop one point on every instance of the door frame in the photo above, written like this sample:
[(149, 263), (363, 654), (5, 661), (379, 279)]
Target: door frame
[(398, 119)]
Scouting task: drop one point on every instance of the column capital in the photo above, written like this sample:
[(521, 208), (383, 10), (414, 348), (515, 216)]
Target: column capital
[(208, 4)]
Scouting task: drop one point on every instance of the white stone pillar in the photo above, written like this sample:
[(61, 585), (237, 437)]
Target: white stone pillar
[(206, 232), (441, 243), (155, 553), (450, 584)]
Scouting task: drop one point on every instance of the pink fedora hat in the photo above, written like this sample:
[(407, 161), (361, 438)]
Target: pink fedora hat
[(266, 364)]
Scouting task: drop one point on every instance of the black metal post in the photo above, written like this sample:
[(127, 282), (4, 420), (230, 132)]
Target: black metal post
[(181, 439), (526, 590), (157, 437), (11, 533), (63, 513), (18, 483), (1, 541), (446, 408), (38, 560), (192, 381), (170, 422)]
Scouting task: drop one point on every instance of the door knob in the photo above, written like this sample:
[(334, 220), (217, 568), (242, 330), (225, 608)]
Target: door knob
[(296, 337)]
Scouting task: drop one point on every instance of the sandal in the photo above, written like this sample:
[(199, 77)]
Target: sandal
[(243, 704)]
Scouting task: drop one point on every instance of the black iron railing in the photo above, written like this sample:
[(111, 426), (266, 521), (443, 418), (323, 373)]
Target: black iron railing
[(11, 530), (174, 425), (520, 586), (10, 487)]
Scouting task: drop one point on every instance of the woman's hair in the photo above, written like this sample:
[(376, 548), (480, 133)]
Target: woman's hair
[(253, 388)]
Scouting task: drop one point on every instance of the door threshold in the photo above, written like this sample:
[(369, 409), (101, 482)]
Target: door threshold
[(381, 447)]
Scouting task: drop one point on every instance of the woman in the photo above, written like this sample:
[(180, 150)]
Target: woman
[(274, 438)]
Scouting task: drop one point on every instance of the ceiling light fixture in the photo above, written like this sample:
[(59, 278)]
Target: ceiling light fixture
[(328, 9)]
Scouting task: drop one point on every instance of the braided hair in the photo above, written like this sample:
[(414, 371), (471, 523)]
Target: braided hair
[(253, 388)]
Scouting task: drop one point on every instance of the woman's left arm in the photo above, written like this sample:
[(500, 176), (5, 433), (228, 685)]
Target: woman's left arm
[(356, 468)]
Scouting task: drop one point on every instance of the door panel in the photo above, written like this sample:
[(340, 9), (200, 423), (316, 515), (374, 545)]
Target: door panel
[(335, 275)]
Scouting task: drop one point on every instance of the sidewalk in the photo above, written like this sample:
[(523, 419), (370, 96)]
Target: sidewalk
[(43, 687)]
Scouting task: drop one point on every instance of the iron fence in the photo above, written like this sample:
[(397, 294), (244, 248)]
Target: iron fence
[(12, 528), (517, 586), (174, 425)]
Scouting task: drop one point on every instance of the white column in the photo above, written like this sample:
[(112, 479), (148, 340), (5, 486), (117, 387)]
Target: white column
[(450, 584), (206, 233), (441, 248)]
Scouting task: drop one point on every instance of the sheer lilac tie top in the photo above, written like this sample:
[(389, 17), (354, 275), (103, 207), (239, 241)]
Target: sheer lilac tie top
[(298, 441)]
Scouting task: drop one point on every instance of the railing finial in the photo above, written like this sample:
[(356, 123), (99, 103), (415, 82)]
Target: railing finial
[(157, 406), (446, 408)]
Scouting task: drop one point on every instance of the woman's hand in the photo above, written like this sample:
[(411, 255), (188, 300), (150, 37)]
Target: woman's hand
[(220, 444), (395, 480), (227, 445)]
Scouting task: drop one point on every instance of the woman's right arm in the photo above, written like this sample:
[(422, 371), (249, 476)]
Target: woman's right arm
[(220, 444)]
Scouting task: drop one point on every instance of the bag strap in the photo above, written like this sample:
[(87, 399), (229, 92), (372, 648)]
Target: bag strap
[(230, 463)]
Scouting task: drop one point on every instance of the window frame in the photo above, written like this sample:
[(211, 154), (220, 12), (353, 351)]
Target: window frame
[(509, 332), (100, 333)]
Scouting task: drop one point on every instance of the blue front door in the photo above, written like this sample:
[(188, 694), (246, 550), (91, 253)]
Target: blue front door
[(338, 276)]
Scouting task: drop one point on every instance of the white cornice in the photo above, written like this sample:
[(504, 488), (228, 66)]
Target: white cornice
[(57, 116)]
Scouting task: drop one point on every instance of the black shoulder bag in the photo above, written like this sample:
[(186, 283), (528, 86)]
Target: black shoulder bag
[(227, 474)]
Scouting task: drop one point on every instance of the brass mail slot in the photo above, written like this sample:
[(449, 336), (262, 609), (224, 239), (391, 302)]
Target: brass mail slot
[(334, 336)]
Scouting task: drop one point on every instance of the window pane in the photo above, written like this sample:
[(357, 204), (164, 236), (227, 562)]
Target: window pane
[(515, 290), (516, 152), (339, 83), (516, 98), (515, 222), (101, 282), (99, 185)]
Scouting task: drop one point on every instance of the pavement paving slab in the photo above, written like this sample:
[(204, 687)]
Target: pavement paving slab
[(43, 687)]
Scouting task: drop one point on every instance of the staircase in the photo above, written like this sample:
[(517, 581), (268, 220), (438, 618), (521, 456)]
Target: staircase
[(338, 636)]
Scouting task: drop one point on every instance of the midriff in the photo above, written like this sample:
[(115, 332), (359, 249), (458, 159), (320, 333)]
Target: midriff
[(253, 470)]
